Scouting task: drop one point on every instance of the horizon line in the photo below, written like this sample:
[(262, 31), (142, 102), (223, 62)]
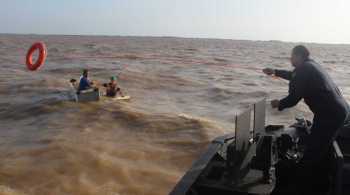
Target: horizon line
[(179, 37)]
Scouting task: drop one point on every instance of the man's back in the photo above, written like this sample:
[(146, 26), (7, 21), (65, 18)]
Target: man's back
[(320, 92)]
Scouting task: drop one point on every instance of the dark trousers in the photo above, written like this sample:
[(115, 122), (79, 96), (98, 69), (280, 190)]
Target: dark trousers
[(310, 175), (313, 169)]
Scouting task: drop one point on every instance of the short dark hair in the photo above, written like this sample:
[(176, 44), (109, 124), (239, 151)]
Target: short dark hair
[(302, 51), (85, 71)]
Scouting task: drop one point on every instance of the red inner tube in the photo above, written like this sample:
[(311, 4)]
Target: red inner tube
[(41, 59)]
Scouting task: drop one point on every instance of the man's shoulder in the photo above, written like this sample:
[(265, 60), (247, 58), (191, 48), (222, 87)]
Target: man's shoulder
[(309, 65), (83, 79), (305, 70)]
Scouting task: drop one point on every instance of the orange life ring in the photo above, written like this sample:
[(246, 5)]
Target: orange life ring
[(41, 59)]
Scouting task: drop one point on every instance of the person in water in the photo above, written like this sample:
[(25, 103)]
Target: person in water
[(309, 81), (112, 88), (84, 83)]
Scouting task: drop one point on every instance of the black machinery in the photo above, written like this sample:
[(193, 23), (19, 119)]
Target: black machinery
[(244, 162)]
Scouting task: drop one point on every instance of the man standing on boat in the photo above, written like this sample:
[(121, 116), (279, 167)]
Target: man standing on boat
[(309, 81)]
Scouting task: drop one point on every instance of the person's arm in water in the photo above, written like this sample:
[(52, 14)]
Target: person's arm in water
[(119, 90), (297, 90), (88, 83), (284, 74)]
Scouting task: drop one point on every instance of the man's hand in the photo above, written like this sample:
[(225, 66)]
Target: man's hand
[(268, 71), (275, 103)]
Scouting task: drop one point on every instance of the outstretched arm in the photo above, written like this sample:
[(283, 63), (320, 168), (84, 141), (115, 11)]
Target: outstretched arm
[(279, 73), (284, 74), (297, 90)]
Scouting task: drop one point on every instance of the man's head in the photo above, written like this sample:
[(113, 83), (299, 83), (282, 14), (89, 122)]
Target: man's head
[(113, 79), (299, 55), (85, 73)]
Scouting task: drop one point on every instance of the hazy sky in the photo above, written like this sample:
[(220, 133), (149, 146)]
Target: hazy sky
[(289, 20)]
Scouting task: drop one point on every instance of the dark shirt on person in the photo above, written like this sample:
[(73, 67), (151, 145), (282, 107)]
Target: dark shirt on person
[(84, 84), (112, 89), (313, 84)]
